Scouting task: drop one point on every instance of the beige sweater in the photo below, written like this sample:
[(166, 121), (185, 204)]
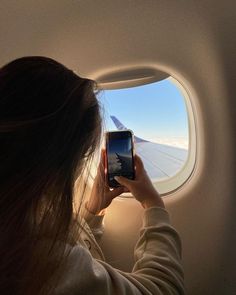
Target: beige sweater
[(157, 269)]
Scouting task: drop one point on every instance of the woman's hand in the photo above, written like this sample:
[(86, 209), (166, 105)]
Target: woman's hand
[(142, 188), (101, 195)]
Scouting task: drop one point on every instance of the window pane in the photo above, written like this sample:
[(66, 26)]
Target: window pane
[(157, 115)]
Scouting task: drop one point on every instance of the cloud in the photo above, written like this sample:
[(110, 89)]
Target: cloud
[(181, 142)]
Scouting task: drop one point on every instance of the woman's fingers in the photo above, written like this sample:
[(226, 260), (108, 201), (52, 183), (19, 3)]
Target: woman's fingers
[(102, 183), (124, 181), (100, 177), (101, 166), (115, 192), (138, 164), (126, 190)]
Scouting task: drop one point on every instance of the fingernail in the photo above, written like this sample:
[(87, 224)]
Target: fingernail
[(116, 177)]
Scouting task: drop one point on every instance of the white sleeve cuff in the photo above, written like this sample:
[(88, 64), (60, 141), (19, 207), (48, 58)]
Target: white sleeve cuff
[(155, 215), (94, 221)]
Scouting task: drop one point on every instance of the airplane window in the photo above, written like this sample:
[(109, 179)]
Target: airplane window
[(158, 116)]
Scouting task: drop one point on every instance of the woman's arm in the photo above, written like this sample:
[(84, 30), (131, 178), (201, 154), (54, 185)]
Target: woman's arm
[(157, 268)]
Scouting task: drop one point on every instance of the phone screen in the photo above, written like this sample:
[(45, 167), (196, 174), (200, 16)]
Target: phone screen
[(120, 161)]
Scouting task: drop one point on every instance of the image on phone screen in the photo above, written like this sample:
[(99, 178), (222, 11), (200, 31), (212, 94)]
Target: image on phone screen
[(119, 156)]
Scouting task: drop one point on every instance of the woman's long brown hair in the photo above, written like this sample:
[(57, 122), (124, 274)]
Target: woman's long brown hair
[(50, 126)]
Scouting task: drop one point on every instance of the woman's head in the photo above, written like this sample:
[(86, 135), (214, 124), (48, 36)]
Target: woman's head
[(50, 126)]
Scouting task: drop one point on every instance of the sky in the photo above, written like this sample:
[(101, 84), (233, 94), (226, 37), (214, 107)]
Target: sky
[(121, 146), (154, 112)]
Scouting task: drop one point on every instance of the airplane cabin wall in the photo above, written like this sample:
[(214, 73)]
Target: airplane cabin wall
[(195, 43)]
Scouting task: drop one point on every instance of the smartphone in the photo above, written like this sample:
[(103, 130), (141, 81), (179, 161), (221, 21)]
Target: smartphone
[(119, 156)]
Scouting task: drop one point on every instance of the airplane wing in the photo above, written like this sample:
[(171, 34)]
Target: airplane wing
[(160, 160), (120, 126)]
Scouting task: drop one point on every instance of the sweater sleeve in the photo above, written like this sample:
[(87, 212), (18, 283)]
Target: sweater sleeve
[(157, 268), (95, 222)]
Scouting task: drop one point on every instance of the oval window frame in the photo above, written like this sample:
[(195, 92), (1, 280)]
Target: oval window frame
[(167, 186)]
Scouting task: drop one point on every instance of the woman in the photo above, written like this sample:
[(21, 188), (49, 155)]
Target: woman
[(50, 127)]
